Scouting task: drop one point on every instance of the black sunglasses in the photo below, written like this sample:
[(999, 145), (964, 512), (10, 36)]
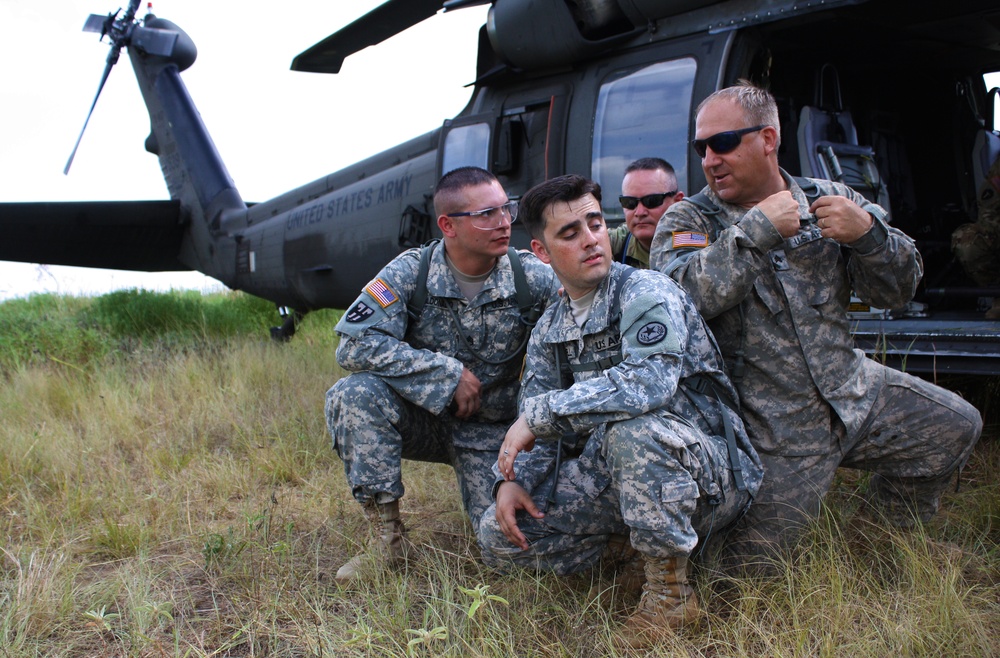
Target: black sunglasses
[(723, 142), (650, 200)]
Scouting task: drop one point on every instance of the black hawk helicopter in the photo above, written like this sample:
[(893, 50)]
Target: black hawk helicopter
[(885, 95)]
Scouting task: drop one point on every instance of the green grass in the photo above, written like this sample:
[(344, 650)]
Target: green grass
[(167, 488)]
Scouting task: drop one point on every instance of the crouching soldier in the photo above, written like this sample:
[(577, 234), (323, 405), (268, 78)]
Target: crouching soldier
[(434, 345), (637, 428)]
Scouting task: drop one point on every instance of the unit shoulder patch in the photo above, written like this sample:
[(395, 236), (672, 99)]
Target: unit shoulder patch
[(651, 333), (359, 312)]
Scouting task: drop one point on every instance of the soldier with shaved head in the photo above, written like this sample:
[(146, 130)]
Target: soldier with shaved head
[(436, 379)]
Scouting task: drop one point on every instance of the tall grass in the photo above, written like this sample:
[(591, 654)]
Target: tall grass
[(167, 488)]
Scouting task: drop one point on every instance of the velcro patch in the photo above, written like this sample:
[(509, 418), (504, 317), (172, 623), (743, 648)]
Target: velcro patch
[(689, 239), (382, 293), (359, 312), (651, 333)]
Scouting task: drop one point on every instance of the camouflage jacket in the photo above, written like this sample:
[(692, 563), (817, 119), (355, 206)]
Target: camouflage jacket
[(786, 302), (423, 360), (624, 244), (661, 340)]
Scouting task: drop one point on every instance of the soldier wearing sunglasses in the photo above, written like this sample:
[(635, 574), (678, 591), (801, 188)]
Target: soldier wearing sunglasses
[(648, 189), (437, 381), (770, 261)]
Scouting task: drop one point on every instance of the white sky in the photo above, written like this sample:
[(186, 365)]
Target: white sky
[(275, 128)]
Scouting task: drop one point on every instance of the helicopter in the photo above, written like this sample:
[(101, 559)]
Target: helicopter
[(887, 96)]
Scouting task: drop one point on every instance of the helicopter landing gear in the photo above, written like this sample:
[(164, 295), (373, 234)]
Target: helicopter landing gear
[(285, 332)]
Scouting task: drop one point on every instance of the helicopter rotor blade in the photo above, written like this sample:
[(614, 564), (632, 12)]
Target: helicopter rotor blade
[(118, 31), (386, 20), (104, 78)]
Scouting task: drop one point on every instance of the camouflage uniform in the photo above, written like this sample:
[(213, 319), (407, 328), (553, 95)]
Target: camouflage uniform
[(977, 246), (811, 401), (626, 249), (395, 405), (652, 460)]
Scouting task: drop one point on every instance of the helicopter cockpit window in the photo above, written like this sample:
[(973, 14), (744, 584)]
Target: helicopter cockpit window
[(467, 146), (642, 114)]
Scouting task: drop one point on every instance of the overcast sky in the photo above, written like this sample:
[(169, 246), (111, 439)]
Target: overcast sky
[(275, 129)]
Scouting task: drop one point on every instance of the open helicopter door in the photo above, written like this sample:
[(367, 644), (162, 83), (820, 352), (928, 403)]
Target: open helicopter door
[(828, 143)]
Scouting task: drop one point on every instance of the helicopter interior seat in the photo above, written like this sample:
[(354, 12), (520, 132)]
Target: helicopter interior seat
[(986, 146), (828, 143)]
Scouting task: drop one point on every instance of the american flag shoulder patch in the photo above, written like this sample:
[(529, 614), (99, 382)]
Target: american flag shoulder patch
[(689, 239), (382, 293)]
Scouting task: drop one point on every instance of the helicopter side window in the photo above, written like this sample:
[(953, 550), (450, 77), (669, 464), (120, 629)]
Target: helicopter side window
[(643, 113), (467, 146)]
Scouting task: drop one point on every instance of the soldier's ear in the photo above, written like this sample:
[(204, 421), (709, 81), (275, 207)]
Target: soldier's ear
[(447, 225), (538, 247)]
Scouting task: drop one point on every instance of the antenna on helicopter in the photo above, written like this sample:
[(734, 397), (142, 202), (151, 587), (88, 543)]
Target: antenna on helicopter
[(118, 30)]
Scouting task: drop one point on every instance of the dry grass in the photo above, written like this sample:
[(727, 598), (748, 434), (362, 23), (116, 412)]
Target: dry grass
[(186, 502)]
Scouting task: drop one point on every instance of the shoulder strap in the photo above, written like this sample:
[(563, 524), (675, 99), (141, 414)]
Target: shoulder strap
[(415, 306), (810, 188), (703, 202), (530, 311), (628, 238), (707, 206)]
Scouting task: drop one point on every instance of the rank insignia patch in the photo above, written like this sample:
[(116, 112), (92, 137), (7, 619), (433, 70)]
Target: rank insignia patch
[(652, 333), (382, 293), (689, 239), (359, 312)]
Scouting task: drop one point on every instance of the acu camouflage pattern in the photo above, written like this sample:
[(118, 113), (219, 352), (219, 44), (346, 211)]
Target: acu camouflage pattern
[(977, 246), (633, 251), (395, 405), (651, 461), (811, 401)]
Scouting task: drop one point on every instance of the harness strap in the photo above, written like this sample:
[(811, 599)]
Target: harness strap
[(415, 307), (526, 306), (702, 383)]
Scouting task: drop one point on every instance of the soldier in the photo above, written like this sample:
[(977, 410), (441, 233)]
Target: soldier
[(648, 189), (770, 261), (977, 245), (436, 380), (636, 421)]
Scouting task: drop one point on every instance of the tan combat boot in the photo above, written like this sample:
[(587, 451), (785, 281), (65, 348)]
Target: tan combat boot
[(668, 602), (993, 313), (628, 564), (391, 543)]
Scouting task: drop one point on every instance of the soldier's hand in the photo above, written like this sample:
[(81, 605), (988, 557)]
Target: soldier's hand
[(512, 497), (840, 219), (518, 438), (782, 210), (467, 395)]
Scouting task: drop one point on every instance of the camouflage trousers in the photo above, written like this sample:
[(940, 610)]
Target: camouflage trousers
[(977, 247), (659, 480), (914, 440), (374, 429)]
